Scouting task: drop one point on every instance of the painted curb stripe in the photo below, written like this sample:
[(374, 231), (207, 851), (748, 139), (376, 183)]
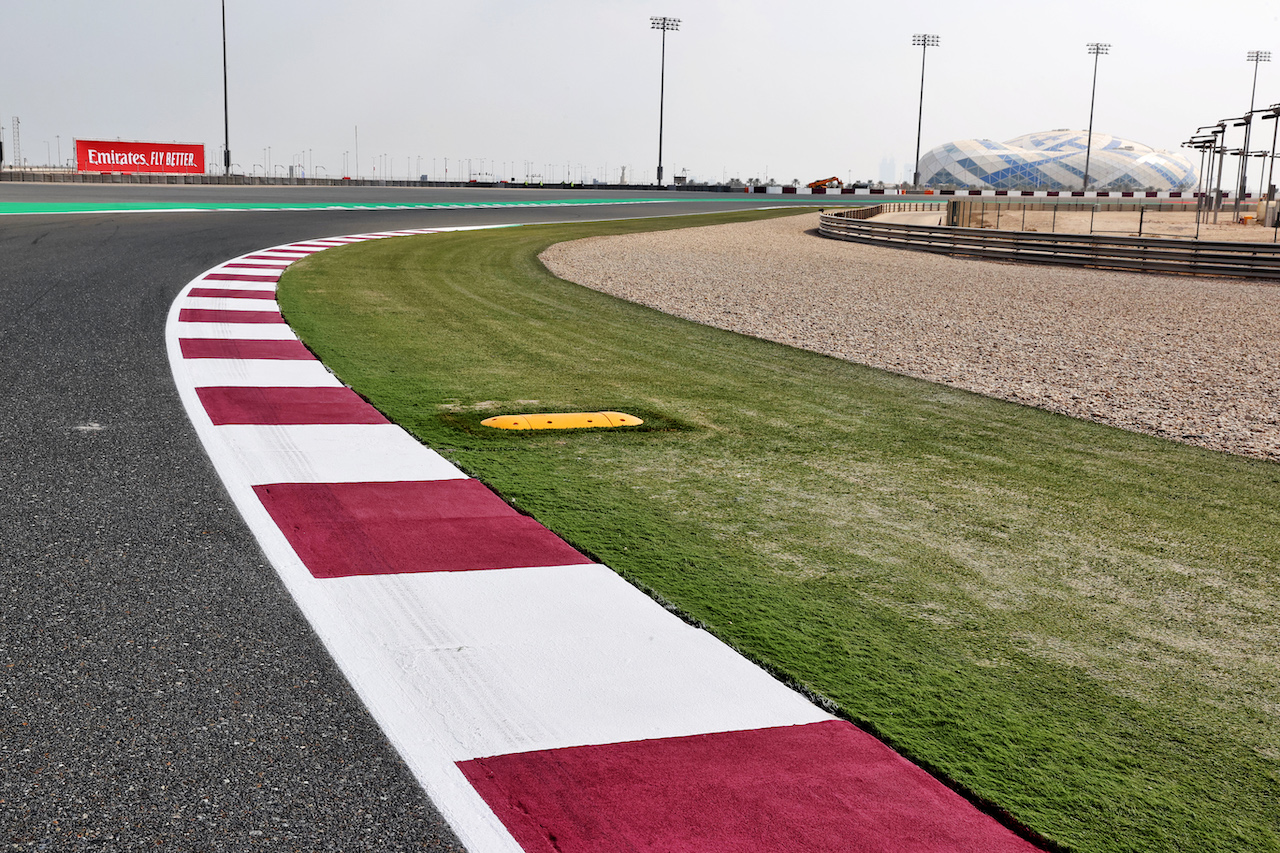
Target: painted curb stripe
[(237, 405), (264, 287), (514, 660), (212, 315), (274, 256), (247, 349), (826, 787), (229, 331), (231, 293), (331, 453), (261, 301), (235, 276), (345, 529), (257, 374)]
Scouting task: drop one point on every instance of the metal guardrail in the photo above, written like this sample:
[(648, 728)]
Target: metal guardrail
[(871, 210), (1188, 257)]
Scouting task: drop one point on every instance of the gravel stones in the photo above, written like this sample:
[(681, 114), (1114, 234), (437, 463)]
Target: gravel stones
[(1196, 360)]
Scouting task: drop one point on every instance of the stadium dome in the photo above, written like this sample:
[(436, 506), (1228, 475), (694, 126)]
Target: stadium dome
[(1054, 160)]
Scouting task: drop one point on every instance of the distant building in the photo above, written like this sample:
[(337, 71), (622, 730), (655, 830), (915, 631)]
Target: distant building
[(888, 170), (1055, 160)]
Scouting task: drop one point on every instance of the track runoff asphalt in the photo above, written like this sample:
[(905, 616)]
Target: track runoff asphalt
[(158, 684)]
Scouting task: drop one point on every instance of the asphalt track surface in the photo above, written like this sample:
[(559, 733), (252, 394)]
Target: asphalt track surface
[(158, 686)]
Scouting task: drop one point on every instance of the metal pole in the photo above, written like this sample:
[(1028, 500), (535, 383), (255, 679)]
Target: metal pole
[(662, 100), (1097, 49), (1217, 193), (1200, 190), (226, 122), (924, 41), (915, 176), (1200, 208), (664, 24), (1271, 170), (1244, 170), (1256, 56), (1214, 157)]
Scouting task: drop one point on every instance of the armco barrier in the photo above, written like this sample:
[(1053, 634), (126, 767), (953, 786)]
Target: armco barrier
[(1189, 257)]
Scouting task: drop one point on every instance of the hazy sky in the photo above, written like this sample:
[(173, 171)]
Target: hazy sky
[(796, 89)]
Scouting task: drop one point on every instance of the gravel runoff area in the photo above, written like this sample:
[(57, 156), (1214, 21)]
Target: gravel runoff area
[(1196, 360)]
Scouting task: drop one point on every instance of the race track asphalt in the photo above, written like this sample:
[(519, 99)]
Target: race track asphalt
[(158, 686)]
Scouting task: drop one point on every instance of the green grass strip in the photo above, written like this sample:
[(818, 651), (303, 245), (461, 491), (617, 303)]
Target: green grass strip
[(1069, 621)]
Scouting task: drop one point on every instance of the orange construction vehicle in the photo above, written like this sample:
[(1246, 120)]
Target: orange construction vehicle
[(827, 183)]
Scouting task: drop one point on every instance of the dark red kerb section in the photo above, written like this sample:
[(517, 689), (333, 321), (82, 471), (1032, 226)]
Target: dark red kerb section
[(825, 787), (238, 348), (242, 276), (277, 255), (229, 293), (281, 406), (214, 315), (344, 529)]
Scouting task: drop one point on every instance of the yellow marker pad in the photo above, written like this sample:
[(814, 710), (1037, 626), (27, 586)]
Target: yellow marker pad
[(563, 420)]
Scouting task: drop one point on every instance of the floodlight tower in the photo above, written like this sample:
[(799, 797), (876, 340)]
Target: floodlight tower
[(1254, 56), (1096, 49), (226, 123), (924, 41), (664, 24)]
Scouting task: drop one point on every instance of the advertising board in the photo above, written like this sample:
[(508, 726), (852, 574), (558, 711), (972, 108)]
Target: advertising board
[(170, 158)]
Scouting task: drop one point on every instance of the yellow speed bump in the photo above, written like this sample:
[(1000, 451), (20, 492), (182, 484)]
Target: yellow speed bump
[(562, 420)]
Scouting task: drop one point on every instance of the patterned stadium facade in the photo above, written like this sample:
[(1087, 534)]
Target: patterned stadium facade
[(1054, 160)]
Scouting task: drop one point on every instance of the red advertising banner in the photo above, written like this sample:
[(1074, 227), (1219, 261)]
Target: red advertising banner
[(170, 158)]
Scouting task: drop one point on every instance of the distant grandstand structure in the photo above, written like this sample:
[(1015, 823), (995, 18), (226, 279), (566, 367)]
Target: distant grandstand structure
[(1055, 160)]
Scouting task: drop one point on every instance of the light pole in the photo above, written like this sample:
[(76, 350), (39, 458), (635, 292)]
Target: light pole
[(1274, 115), (1246, 121), (924, 41), (1254, 56), (1096, 49), (1206, 143), (226, 124), (663, 24)]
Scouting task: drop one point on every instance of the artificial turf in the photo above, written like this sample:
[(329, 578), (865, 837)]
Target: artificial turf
[(1069, 623)]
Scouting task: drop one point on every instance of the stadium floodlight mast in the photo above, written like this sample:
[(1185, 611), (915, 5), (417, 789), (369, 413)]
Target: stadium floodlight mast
[(924, 41), (664, 24), (1254, 56), (226, 124), (1096, 49)]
